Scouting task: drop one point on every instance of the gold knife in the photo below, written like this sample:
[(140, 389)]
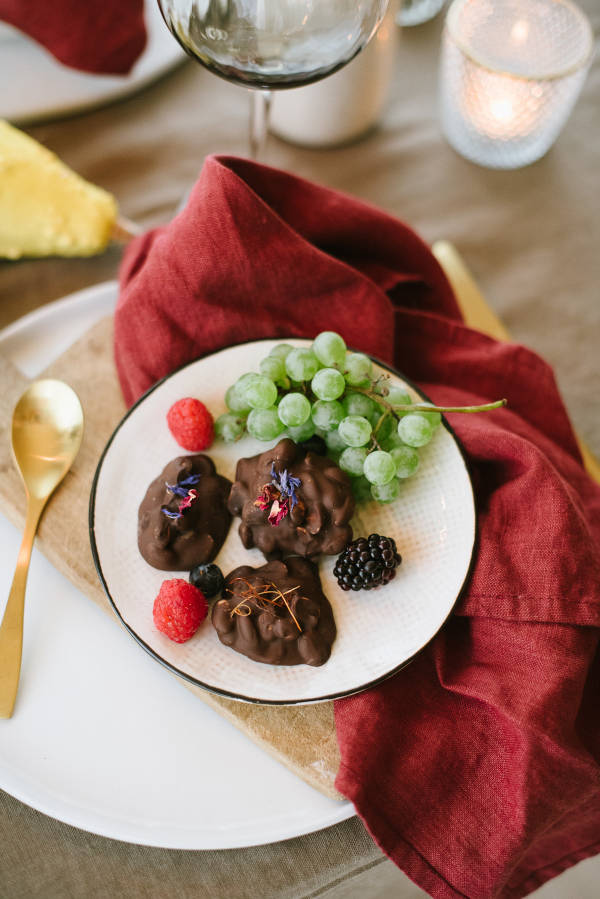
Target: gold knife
[(477, 314)]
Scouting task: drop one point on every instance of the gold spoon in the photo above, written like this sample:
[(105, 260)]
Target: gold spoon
[(47, 428)]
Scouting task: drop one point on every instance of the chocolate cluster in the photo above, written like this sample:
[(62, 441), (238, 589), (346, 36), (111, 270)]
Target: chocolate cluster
[(277, 614), (183, 519), (292, 502)]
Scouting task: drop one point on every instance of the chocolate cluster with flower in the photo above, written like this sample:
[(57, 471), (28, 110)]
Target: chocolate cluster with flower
[(183, 519), (292, 502)]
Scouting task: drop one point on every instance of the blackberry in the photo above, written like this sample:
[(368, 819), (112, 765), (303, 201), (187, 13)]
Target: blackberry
[(208, 578), (367, 563)]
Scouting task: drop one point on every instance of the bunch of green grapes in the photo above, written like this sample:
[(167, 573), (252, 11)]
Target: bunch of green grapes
[(371, 427)]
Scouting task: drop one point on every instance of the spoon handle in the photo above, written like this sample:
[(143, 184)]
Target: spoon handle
[(11, 629)]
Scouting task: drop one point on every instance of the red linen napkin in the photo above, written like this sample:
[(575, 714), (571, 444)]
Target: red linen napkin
[(477, 767), (104, 37)]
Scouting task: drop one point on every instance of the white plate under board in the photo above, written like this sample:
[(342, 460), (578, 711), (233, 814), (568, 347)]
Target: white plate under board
[(88, 741)]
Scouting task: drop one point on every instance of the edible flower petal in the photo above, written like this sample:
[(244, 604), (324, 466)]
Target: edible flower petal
[(278, 512)]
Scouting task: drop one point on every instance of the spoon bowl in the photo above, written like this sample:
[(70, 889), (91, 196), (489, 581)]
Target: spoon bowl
[(47, 429)]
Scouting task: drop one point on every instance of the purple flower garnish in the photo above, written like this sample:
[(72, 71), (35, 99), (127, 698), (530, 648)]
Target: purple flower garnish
[(279, 497), (174, 516), (182, 487), (286, 484)]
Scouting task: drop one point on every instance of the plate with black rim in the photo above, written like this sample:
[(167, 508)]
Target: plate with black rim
[(378, 632)]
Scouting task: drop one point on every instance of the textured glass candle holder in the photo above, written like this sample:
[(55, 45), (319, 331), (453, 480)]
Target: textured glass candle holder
[(510, 74)]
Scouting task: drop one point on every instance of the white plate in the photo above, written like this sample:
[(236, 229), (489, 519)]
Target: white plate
[(101, 738), (433, 523), (35, 86)]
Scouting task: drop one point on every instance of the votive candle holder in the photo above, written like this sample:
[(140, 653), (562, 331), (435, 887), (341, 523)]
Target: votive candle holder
[(510, 74)]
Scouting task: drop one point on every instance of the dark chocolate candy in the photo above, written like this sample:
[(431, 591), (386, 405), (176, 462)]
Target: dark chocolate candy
[(318, 523), (263, 626), (177, 539)]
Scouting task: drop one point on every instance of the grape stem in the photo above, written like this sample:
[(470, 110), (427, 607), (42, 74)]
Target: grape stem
[(426, 407), (382, 418)]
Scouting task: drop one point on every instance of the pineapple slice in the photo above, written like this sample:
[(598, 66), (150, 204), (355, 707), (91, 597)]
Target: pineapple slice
[(45, 208)]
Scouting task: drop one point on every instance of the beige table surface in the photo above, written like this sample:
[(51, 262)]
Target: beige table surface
[(532, 239)]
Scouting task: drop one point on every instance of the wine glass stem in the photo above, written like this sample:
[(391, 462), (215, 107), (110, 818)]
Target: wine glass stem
[(259, 121)]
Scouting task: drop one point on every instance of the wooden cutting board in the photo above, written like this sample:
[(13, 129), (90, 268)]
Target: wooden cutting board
[(301, 737)]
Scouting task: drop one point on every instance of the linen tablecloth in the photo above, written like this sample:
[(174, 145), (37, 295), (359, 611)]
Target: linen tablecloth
[(530, 236)]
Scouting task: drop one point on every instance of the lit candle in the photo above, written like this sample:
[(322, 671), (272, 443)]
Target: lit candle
[(510, 74), (501, 107)]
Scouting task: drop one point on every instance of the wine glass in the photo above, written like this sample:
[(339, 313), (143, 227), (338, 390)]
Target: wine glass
[(272, 44)]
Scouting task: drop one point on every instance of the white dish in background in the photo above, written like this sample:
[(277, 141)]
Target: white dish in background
[(433, 524), (34, 86), (102, 738)]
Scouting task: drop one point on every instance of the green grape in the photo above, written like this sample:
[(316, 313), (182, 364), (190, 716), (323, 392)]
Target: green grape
[(358, 404), (434, 418), (334, 442), (361, 490), (352, 460), (383, 424), (406, 460), (273, 367), (301, 364), (391, 442), (282, 350), (357, 368), (328, 384), (414, 429), (329, 348), (244, 381), (235, 399), (386, 493), (355, 430), (327, 414), (229, 427), (302, 432), (398, 396), (294, 409), (264, 424), (379, 467), (261, 393)]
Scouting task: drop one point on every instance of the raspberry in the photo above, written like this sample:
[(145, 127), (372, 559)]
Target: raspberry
[(367, 563), (179, 609), (191, 424)]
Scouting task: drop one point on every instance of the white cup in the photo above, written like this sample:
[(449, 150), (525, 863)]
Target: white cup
[(343, 106)]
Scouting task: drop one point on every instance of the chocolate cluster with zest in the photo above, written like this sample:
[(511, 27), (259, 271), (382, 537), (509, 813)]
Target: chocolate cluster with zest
[(292, 502), (276, 614), (183, 519)]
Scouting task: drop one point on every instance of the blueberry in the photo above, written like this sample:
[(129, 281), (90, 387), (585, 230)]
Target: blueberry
[(207, 578)]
